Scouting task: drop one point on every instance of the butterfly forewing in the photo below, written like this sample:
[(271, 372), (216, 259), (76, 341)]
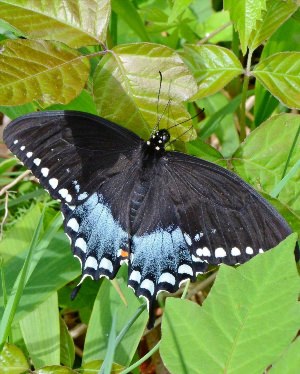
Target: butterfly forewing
[(90, 164)]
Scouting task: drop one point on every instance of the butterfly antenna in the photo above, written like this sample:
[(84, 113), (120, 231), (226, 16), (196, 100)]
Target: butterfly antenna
[(158, 97), (189, 129)]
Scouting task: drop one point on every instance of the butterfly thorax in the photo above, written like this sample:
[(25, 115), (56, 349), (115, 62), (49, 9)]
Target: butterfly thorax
[(158, 140)]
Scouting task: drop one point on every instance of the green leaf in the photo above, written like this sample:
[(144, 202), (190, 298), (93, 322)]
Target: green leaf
[(240, 327), (55, 269), (84, 102), (223, 125), (131, 73), (74, 23), (292, 218), (14, 112), (244, 14), (49, 72), (19, 284), (213, 122), (217, 21), (126, 10), (179, 7), (280, 74), (276, 13), (40, 330), (203, 150), (93, 367), (212, 66), (289, 363), (261, 159), (12, 360), (265, 103), (13, 243), (67, 348), (107, 302), (55, 369)]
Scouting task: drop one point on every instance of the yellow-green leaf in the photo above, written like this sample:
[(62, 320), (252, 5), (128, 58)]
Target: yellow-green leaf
[(244, 14), (280, 74), (276, 13), (76, 23), (49, 72), (213, 67), (12, 360), (130, 75)]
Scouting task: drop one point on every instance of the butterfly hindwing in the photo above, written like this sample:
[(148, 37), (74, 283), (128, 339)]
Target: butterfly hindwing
[(197, 214)]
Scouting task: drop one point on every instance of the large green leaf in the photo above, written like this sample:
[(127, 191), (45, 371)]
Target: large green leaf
[(280, 74), (130, 74), (276, 13), (261, 159), (75, 22), (290, 362), (212, 66), (244, 14), (49, 72), (107, 303), (41, 333), (249, 318), (55, 269)]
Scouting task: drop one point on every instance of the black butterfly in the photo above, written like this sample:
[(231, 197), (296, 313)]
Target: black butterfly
[(167, 214)]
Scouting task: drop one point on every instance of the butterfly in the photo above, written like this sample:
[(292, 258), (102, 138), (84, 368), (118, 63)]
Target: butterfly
[(167, 214)]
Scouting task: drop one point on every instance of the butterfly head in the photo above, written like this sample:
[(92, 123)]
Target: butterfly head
[(158, 140)]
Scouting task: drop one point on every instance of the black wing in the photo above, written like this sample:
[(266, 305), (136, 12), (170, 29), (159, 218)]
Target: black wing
[(90, 164), (197, 214)]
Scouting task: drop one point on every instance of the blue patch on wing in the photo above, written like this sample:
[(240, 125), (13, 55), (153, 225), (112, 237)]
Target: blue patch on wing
[(161, 260), (97, 238)]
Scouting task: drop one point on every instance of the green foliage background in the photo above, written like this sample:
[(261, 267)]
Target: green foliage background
[(240, 61)]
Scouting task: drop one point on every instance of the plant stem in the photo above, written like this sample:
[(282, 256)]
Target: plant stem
[(143, 359), (244, 97)]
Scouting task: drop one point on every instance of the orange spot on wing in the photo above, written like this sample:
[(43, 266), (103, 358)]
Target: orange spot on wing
[(124, 253)]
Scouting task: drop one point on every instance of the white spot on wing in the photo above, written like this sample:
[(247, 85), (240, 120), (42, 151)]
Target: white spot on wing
[(82, 196), (168, 278), (235, 251), (220, 252), (135, 276), (147, 284), (22, 147), (73, 224), (203, 252), (81, 244), (53, 183), (37, 161), (185, 269), (197, 259), (45, 172), (260, 250), (16, 141), (91, 262), (187, 238), (249, 251), (29, 154), (105, 263), (63, 192)]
